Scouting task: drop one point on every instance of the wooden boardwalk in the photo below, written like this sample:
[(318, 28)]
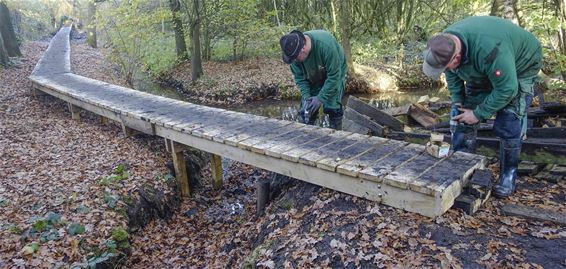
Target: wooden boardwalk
[(394, 173)]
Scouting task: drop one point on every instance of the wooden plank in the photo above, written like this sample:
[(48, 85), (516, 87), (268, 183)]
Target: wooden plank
[(287, 145), (294, 154), (279, 139), (364, 144), (423, 115), (360, 162), (388, 195), (383, 166), (405, 175), (216, 168), (137, 124), (364, 121), (265, 136), (398, 111), (260, 133), (329, 149), (350, 126), (180, 168), (375, 114), (534, 213)]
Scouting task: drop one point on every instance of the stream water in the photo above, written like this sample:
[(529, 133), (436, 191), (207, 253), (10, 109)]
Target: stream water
[(287, 109)]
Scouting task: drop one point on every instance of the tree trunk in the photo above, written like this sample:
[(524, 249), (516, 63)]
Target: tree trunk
[(276, 13), (345, 32), (180, 44), (560, 7), (7, 30), (196, 60), (4, 60), (496, 8), (91, 26), (509, 11)]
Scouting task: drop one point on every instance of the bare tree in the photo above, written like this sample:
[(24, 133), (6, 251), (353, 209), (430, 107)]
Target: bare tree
[(91, 26), (7, 30), (196, 60), (4, 60), (180, 44)]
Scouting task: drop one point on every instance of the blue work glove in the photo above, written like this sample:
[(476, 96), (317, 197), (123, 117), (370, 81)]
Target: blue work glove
[(313, 105)]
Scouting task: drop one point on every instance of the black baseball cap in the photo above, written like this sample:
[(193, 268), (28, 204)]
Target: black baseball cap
[(291, 45), (437, 55)]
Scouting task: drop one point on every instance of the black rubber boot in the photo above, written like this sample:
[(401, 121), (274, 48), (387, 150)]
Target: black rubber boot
[(509, 154), (335, 123)]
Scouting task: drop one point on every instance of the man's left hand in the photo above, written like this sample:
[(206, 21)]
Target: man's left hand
[(313, 105), (467, 116)]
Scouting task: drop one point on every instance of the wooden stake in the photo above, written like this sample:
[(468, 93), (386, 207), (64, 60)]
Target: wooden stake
[(262, 188), (103, 120), (180, 168), (216, 167), (127, 130), (75, 113), (167, 144)]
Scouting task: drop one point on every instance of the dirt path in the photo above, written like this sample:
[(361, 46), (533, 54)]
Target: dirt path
[(49, 163)]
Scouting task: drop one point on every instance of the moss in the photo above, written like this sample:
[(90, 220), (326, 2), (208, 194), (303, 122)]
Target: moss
[(485, 151), (542, 156), (120, 235)]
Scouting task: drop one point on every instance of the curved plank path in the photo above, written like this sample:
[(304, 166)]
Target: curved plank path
[(394, 173)]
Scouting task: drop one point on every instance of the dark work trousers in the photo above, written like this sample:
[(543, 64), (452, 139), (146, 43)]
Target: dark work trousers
[(334, 116), (509, 125)]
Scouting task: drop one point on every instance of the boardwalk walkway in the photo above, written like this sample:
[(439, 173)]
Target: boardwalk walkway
[(394, 173)]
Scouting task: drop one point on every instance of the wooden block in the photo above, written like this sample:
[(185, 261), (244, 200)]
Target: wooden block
[(216, 167), (375, 114), (180, 168), (350, 126), (423, 115), (363, 120), (480, 184), (127, 131), (534, 213), (103, 120), (468, 203)]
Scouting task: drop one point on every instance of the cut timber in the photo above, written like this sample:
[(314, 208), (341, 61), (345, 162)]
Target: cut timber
[(375, 114), (528, 168), (398, 111), (216, 167), (180, 168), (423, 115), (364, 121), (350, 126), (476, 193), (534, 213)]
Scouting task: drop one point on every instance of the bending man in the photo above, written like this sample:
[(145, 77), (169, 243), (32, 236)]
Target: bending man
[(319, 68), (491, 66)]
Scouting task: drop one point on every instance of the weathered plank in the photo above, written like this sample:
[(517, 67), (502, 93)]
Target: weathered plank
[(260, 133), (407, 173), (287, 145), (360, 162), (343, 140), (375, 114), (383, 166), (279, 139), (294, 154), (350, 126), (216, 168), (180, 168), (398, 111), (364, 121), (422, 115), (363, 144), (534, 213)]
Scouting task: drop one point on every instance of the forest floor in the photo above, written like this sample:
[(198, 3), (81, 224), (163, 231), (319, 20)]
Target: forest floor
[(64, 188)]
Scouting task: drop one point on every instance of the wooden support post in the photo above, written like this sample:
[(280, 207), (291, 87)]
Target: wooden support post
[(75, 113), (263, 191), (167, 144), (180, 168), (216, 167), (103, 120), (127, 130)]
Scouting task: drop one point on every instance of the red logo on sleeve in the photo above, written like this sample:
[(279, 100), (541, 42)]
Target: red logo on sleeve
[(497, 73)]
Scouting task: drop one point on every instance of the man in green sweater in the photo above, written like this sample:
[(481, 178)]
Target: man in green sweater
[(319, 68), (491, 66)]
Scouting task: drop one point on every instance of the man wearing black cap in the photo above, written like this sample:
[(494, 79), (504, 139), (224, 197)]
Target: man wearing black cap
[(319, 68), (491, 66)]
